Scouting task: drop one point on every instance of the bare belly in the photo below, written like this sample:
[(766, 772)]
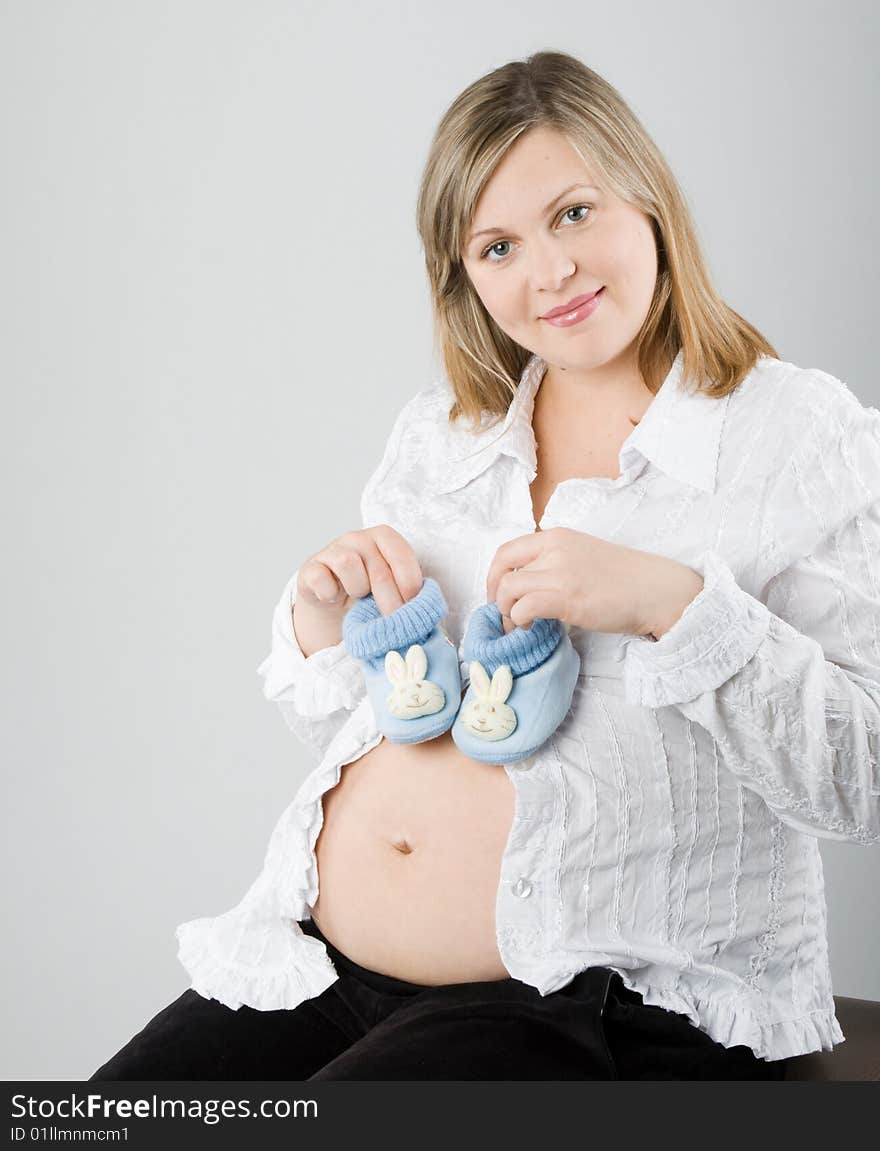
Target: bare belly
[(409, 861)]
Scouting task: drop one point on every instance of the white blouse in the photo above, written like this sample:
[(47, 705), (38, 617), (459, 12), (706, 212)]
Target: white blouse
[(669, 828)]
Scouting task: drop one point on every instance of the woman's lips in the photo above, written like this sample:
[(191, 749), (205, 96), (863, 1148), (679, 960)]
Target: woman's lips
[(567, 319)]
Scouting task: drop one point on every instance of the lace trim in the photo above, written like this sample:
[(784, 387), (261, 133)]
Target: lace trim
[(305, 972), (730, 1024)]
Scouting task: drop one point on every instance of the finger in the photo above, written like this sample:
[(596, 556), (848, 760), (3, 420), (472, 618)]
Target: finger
[(379, 578), (514, 586), (317, 581), (534, 605), (336, 572), (358, 567), (401, 559), (514, 554), (507, 624)]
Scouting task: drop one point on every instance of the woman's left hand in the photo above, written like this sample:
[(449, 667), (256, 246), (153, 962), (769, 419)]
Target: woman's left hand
[(587, 582)]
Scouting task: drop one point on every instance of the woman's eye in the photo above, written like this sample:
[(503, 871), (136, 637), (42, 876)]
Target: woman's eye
[(492, 248), (500, 243)]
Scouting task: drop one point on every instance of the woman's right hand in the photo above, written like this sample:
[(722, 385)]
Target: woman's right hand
[(375, 560)]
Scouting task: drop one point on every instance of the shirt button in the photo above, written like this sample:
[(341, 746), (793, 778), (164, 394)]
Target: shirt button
[(522, 888)]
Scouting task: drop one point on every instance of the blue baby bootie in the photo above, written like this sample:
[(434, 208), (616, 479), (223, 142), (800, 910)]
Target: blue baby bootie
[(533, 673), (410, 664)]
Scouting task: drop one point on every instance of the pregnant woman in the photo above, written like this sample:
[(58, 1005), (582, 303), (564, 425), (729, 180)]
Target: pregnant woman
[(614, 448)]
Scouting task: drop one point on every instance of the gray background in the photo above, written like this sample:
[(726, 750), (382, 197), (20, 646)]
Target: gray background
[(190, 189)]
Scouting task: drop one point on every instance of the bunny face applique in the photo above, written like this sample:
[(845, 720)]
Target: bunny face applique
[(410, 650), (486, 715), (506, 718), (413, 694)]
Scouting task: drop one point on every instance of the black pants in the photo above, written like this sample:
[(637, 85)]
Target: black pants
[(370, 1026)]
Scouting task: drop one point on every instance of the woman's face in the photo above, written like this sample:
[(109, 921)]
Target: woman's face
[(542, 257)]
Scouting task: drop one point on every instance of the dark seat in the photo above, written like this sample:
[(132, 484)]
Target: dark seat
[(856, 1059)]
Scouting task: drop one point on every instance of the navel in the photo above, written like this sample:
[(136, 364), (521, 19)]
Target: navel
[(402, 846)]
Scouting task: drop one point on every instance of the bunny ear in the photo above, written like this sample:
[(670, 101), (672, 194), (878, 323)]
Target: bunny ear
[(479, 678), (395, 668), (416, 662), (502, 683)]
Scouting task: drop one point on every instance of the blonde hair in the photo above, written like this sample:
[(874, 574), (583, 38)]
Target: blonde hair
[(552, 89)]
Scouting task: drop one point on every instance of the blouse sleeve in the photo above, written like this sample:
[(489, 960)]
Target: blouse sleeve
[(788, 686), (314, 693), (317, 693)]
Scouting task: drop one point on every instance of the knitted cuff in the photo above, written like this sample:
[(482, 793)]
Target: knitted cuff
[(522, 649), (369, 635)]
